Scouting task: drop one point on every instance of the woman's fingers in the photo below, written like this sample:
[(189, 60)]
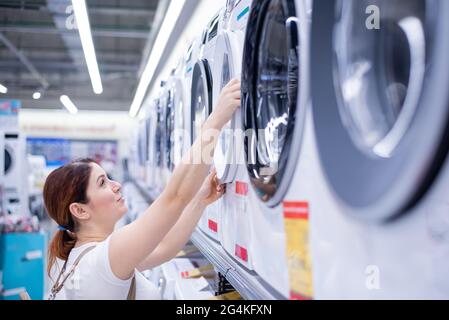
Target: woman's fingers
[(233, 81)]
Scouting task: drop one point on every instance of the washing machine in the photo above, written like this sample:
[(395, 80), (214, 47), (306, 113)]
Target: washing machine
[(2, 168), (201, 107), (158, 146), (169, 131), (15, 173), (181, 140), (234, 206), (149, 123), (380, 107), (190, 59), (275, 118), (142, 150)]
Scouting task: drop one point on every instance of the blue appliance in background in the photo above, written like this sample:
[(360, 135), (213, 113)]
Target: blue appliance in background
[(22, 265)]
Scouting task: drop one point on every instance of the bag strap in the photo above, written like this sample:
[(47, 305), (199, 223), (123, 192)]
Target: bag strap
[(132, 290), (57, 287)]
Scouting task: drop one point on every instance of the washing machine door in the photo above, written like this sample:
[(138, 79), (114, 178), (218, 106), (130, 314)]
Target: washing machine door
[(228, 55), (274, 95), (169, 131), (180, 134), (201, 99), (380, 100), (9, 160)]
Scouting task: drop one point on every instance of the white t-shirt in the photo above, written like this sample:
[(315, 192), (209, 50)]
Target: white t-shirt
[(94, 280)]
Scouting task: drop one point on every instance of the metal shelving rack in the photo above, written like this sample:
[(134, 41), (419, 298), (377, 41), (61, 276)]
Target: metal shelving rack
[(247, 283)]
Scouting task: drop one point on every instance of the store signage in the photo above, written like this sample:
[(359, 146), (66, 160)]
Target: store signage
[(9, 114)]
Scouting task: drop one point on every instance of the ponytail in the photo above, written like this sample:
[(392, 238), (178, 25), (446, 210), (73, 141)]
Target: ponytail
[(60, 246)]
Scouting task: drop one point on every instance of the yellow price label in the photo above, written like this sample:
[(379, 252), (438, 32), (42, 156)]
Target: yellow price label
[(296, 221)]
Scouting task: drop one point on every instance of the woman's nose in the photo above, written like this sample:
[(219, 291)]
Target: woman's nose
[(116, 187)]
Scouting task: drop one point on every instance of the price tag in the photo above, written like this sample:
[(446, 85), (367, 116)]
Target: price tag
[(296, 221)]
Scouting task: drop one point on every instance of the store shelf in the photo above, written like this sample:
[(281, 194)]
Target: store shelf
[(247, 283)]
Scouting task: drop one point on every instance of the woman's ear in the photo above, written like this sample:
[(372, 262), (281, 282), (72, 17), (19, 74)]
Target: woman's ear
[(78, 211)]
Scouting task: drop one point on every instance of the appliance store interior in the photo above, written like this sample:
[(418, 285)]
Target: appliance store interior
[(224, 150)]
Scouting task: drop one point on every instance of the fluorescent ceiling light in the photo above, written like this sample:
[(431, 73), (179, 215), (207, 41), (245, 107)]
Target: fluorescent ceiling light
[(82, 21), (171, 17), (36, 95), (3, 89), (69, 104)]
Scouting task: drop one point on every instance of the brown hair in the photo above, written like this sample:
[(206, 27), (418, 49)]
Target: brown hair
[(64, 186)]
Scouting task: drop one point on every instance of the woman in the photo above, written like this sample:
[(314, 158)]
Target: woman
[(86, 205)]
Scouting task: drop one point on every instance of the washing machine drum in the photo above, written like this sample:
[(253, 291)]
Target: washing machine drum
[(270, 82), (8, 161), (379, 91), (201, 99)]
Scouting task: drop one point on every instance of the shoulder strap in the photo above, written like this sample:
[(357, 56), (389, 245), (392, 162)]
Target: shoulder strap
[(132, 290), (57, 287)]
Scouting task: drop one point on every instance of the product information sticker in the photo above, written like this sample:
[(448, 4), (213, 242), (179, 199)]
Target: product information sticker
[(296, 220)]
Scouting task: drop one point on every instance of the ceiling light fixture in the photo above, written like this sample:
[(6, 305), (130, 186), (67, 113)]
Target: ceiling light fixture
[(3, 89), (68, 104), (36, 95), (82, 21)]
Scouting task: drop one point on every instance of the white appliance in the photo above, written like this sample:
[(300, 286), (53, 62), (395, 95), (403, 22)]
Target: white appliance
[(233, 222), (181, 136), (169, 131), (154, 182), (158, 142), (275, 99), (190, 60), (201, 107), (383, 232), (2, 169), (15, 179), (149, 123)]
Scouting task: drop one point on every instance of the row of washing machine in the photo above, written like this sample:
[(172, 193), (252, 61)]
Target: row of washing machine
[(339, 189), (13, 172)]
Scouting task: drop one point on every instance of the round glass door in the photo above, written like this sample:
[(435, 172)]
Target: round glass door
[(201, 96), (270, 96), (379, 93), (380, 72), (8, 161)]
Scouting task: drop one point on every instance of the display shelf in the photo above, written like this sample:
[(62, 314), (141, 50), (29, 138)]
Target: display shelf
[(247, 283)]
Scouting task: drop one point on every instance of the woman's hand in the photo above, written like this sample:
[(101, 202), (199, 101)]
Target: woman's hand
[(210, 191), (227, 103)]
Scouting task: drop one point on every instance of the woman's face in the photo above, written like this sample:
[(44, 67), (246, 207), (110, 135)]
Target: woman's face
[(106, 203)]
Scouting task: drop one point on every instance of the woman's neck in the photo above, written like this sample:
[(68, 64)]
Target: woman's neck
[(84, 237)]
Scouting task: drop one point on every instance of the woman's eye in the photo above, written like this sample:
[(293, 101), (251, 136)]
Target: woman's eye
[(102, 182)]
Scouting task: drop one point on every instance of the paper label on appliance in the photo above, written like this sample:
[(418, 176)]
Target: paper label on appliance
[(296, 221)]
